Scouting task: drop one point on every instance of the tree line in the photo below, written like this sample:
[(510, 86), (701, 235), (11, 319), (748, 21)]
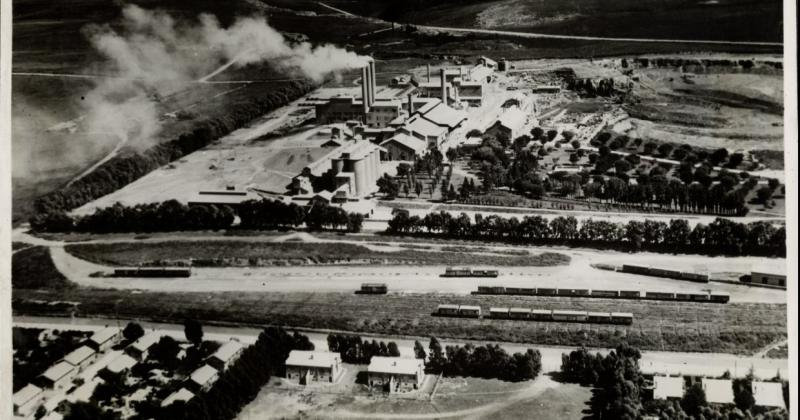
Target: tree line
[(486, 361), (354, 349), (172, 215), (124, 169), (722, 236)]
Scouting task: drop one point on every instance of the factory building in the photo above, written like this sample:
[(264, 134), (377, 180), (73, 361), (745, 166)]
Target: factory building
[(510, 124), (307, 367), (226, 355), (395, 374), (81, 357), (59, 375), (404, 146), (349, 172)]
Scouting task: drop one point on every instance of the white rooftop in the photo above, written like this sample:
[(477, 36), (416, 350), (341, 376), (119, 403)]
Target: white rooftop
[(718, 391), (77, 356), (470, 307), (182, 394), (395, 365), (121, 363), (104, 335), (444, 115), (498, 309), (768, 394), (667, 387), (26, 394), (84, 392), (228, 350), (424, 127), (413, 143), (324, 359), (146, 341), (203, 374), (513, 118), (58, 371)]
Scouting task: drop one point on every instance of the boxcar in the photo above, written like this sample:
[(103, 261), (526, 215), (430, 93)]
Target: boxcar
[(469, 311), (622, 318), (599, 317), (527, 291), (572, 292), (659, 295), (152, 272), (683, 297), (569, 316), (492, 290), (498, 313), (605, 293), (542, 314), (447, 310), (703, 278), (542, 291), (720, 297), (485, 273), (519, 313), (373, 289), (699, 297), (636, 269), (635, 294), (457, 272)]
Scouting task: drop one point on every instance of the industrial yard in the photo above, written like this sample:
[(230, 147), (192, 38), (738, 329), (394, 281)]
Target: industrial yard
[(379, 212)]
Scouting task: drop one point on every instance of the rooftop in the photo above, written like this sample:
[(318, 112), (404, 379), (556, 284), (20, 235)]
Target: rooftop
[(444, 115), (768, 394), (58, 371), (104, 335), (498, 309), (222, 197), (121, 363), (395, 365), (77, 356), (667, 387), (513, 118), (424, 127), (26, 394), (408, 141), (469, 307), (182, 394), (306, 358), (203, 374), (718, 391), (145, 342), (228, 350)]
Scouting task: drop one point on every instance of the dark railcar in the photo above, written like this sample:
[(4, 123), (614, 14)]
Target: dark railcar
[(630, 294), (373, 289), (152, 272), (720, 297), (605, 293), (542, 291)]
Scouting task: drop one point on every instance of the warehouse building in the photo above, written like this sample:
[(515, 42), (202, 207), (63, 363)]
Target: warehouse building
[(667, 388), (140, 348), (81, 357), (768, 394), (395, 374), (27, 400), (718, 391), (307, 367), (404, 146), (59, 375), (226, 355), (104, 339)]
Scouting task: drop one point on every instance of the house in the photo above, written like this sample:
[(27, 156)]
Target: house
[(768, 394), (203, 378), (104, 339), (81, 357), (226, 355), (59, 375), (404, 146), (396, 374), (667, 388), (182, 394), (27, 400), (718, 391), (140, 348), (306, 367), (121, 363)]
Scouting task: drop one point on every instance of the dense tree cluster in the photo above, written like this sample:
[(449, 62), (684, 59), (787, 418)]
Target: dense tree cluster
[(592, 88), (124, 169), (33, 357), (487, 361), (722, 236), (354, 349)]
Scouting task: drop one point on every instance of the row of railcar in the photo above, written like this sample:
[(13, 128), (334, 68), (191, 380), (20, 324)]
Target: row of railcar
[(152, 272), (715, 297), (527, 314), (468, 272), (661, 272)]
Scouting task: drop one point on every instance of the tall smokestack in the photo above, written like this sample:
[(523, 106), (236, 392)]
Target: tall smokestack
[(372, 81), (410, 105), (365, 89), (369, 85), (461, 72), (429, 73), (444, 86)]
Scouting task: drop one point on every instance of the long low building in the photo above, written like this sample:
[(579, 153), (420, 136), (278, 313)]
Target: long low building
[(59, 375), (307, 367), (668, 388), (396, 374), (104, 339), (27, 400)]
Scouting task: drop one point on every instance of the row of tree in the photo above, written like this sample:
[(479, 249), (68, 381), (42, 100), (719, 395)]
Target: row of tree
[(174, 216), (126, 168), (487, 361), (354, 349), (722, 236)]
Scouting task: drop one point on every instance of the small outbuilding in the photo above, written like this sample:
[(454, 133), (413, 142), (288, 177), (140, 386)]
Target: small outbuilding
[(121, 363), (203, 378), (182, 394), (140, 348)]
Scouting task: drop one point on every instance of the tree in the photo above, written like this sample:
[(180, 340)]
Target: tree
[(132, 331), (419, 350), (622, 166), (537, 133), (89, 410), (551, 135), (418, 188), (573, 158), (193, 331), (166, 351), (694, 399), (405, 189), (743, 393), (392, 349)]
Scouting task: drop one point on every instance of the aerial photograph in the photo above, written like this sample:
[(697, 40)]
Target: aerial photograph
[(387, 209)]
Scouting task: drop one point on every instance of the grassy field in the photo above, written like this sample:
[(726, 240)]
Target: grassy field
[(671, 326), (33, 268), (222, 253)]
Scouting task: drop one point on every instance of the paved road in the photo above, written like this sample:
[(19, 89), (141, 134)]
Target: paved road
[(652, 362)]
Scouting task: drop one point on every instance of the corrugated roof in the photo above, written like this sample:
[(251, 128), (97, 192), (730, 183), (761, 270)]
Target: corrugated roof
[(424, 127), (667, 387), (415, 144), (228, 350), (121, 363), (520, 310), (26, 394), (718, 391), (182, 394), (58, 371), (203, 374), (104, 335), (77, 356), (498, 309), (622, 314), (306, 358), (395, 365), (768, 394)]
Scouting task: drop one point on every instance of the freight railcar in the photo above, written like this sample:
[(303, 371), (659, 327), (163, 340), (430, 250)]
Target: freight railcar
[(498, 313), (625, 318), (572, 292), (519, 313), (599, 317), (373, 289), (152, 272), (542, 291), (570, 316), (659, 295), (469, 311), (605, 293), (719, 297), (544, 315), (468, 272)]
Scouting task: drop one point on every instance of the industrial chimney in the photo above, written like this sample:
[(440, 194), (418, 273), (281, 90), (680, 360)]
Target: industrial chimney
[(444, 86), (410, 105), (372, 82), (365, 89)]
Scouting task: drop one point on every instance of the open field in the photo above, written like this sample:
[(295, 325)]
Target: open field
[(32, 268), (671, 326)]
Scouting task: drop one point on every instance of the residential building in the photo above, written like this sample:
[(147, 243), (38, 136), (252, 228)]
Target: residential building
[(27, 400), (668, 388), (140, 348), (121, 363), (81, 357), (768, 394), (59, 375), (226, 355), (104, 339), (182, 394), (306, 367), (396, 374), (203, 378), (718, 391)]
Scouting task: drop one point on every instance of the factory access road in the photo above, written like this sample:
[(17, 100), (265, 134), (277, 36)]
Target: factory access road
[(662, 362)]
